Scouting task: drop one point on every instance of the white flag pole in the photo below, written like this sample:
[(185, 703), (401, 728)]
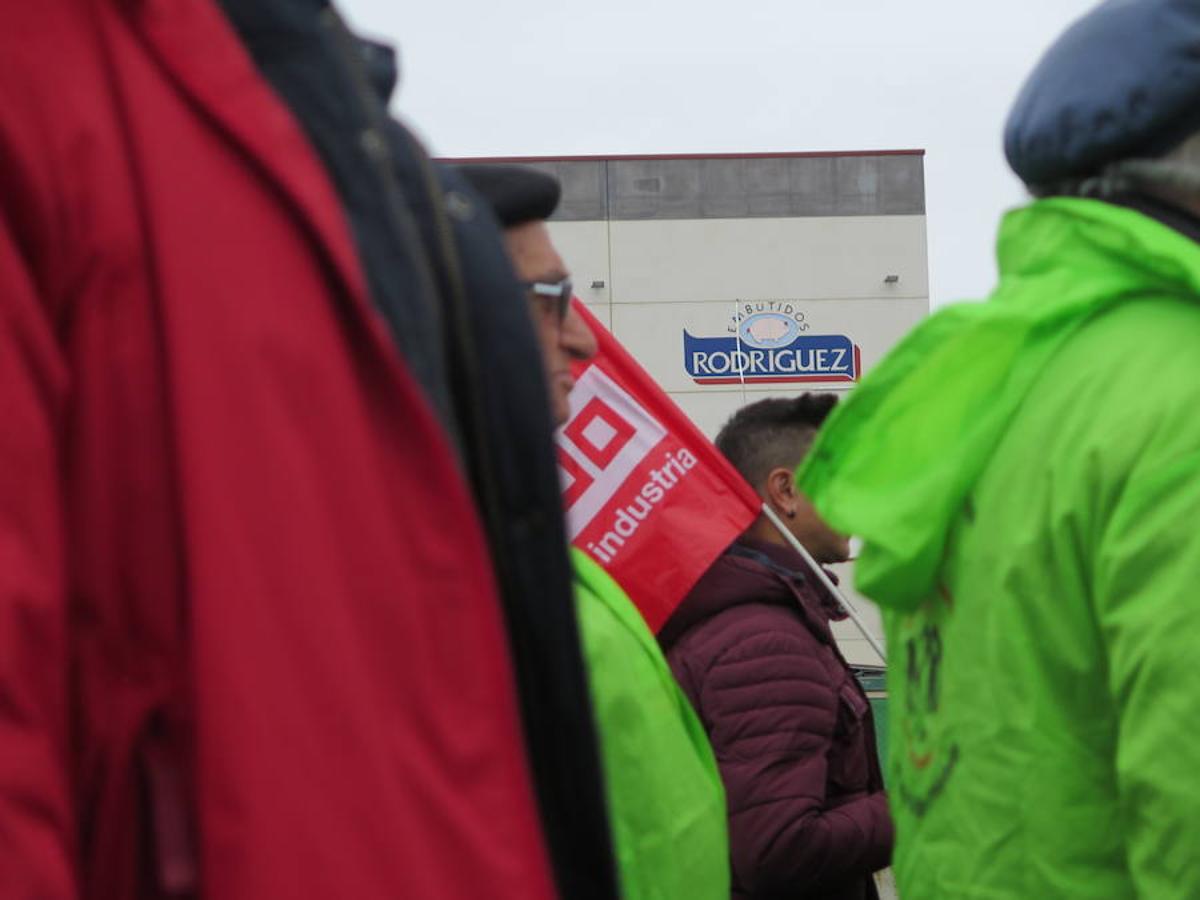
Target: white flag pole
[(825, 580)]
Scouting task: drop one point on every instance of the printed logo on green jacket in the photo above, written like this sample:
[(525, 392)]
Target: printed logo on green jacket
[(927, 757)]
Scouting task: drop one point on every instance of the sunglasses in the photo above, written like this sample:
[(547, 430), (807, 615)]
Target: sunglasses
[(557, 293)]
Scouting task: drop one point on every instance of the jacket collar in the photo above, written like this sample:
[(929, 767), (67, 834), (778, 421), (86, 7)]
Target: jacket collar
[(1181, 220), (791, 566), (754, 572)]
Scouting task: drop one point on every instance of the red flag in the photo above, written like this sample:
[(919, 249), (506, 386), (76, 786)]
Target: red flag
[(647, 494)]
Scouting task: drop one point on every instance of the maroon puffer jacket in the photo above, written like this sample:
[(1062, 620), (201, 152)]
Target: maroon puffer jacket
[(792, 730)]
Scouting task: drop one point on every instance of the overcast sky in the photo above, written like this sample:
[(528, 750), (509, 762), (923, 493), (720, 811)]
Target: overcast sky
[(534, 77)]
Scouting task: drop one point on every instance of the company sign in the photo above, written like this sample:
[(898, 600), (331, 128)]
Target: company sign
[(768, 345)]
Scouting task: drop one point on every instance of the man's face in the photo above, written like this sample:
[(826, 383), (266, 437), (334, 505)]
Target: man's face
[(562, 342), (825, 544)]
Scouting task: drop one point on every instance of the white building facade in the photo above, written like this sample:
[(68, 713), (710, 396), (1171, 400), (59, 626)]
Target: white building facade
[(737, 277), (822, 256)]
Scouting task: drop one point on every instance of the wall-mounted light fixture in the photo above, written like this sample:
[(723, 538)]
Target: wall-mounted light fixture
[(890, 279)]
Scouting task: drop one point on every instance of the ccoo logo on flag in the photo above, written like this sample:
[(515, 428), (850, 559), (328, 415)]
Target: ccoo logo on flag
[(612, 476), (647, 496)]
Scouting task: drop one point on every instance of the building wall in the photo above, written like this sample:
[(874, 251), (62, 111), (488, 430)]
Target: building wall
[(662, 278), (662, 246)]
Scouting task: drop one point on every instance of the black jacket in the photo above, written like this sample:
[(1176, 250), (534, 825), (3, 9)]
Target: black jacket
[(502, 412), (501, 396), (440, 277)]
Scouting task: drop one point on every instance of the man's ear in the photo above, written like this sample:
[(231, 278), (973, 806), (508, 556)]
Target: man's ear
[(781, 491)]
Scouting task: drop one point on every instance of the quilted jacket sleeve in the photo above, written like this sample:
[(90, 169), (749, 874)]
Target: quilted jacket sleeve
[(772, 711), (36, 843)]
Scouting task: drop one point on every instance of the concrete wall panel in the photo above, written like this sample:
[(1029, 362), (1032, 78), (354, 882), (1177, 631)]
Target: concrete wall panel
[(747, 187), (584, 188), (752, 186), (655, 188), (901, 186)]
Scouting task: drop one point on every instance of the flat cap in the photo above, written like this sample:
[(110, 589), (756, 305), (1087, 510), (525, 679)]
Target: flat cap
[(1122, 82), (517, 194)]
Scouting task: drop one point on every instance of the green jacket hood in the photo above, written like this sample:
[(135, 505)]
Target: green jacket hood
[(895, 462)]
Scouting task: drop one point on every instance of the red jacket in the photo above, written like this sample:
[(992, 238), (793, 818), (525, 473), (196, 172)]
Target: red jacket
[(249, 637), (791, 728)]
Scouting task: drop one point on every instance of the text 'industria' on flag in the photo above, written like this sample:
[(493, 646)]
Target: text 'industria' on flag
[(647, 494)]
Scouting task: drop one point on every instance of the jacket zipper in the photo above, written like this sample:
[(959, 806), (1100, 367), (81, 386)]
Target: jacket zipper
[(174, 844)]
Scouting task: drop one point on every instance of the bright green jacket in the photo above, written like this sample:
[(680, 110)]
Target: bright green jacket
[(666, 801), (1025, 474)]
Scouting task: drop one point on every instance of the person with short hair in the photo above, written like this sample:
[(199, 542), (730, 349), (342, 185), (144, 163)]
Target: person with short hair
[(522, 199), (760, 440), (665, 799), (1025, 475), (752, 647)]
